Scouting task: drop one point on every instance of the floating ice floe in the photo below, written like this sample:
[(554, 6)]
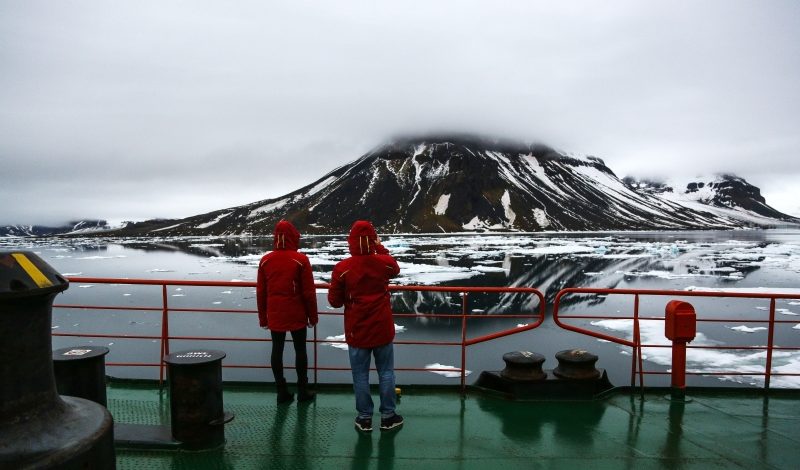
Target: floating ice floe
[(747, 329), (321, 261), (338, 345), (338, 341), (450, 372), (558, 250), (428, 274), (749, 290), (663, 274), (488, 269), (711, 360), (160, 270)]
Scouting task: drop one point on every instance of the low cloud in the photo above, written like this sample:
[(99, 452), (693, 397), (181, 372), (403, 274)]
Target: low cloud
[(160, 109)]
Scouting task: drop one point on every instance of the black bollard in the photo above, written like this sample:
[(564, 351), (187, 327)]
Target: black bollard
[(81, 372), (39, 429), (195, 389), (575, 377), (523, 366), (576, 364)]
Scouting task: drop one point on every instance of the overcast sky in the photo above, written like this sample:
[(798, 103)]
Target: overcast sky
[(127, 110)]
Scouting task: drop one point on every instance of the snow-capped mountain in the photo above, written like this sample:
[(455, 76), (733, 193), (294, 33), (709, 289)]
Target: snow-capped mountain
[(720, 194), (71, 228), (469, 183)]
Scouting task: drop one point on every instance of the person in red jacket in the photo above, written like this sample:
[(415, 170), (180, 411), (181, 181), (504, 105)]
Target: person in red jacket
[(287, 301), (360, 284)]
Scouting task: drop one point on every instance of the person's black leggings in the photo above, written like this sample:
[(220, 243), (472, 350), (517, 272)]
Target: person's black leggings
[(301, 358)]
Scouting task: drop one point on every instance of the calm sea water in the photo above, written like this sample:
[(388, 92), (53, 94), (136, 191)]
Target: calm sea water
[(729, 260)]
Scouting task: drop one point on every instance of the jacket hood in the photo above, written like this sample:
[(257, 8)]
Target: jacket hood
[(286, 236), (362, 238)]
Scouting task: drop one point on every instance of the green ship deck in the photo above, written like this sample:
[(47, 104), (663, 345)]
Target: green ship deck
[(718, 428)]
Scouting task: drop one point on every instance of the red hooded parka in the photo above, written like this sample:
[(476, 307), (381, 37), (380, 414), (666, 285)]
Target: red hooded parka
[(360, 284), (285, 292)]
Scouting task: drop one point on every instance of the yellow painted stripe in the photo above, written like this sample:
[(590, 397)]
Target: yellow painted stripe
[(37, 276)]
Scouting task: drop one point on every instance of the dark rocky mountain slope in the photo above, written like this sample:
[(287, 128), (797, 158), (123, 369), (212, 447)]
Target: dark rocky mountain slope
[(468, 183)]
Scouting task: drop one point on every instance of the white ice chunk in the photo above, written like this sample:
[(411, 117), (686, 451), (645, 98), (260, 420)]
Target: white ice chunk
[(451, 371), (747, 329), (337, 345)]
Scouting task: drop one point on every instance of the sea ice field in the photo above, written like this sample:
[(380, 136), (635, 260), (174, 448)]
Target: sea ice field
[(715, 261)]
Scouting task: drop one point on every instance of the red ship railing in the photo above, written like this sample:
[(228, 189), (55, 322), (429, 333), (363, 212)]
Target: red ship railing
[(703, 316), (562, 319), (166, 336)]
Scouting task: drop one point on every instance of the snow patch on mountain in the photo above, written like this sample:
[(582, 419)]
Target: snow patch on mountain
[(541, 218), (441, 205), (372, 182), (212, 222), (540, 174), (267, 208), (510, 215), (320, 186), (168, 227)]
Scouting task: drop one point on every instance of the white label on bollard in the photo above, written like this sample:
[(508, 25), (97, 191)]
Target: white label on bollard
[(77, 352), (195, 354)]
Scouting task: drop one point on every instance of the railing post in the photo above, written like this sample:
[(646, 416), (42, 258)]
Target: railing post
[(464, 301), (315, 354), (770, 345), (164, 334), (638, 340), (635, 340)]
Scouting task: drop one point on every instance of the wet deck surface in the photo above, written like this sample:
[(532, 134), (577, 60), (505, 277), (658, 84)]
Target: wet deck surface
[(717, 429)]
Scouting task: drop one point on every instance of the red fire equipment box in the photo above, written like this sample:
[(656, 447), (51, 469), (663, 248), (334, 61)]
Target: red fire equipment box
[(680, 321)]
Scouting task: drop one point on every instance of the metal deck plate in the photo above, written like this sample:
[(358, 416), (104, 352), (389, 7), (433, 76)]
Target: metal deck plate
[(442, 430)]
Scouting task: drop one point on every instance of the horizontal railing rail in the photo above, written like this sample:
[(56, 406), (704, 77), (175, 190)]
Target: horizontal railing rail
[(635, 341), (535, 319)]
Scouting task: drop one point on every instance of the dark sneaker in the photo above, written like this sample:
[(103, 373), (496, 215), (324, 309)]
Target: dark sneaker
[(364, 424), (392, 422)]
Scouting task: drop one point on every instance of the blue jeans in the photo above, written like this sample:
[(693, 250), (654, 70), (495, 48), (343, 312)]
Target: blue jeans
[(384, 362)]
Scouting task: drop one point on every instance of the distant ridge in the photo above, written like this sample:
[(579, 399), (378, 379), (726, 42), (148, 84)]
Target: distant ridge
[(469, 183), (70, 228)]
